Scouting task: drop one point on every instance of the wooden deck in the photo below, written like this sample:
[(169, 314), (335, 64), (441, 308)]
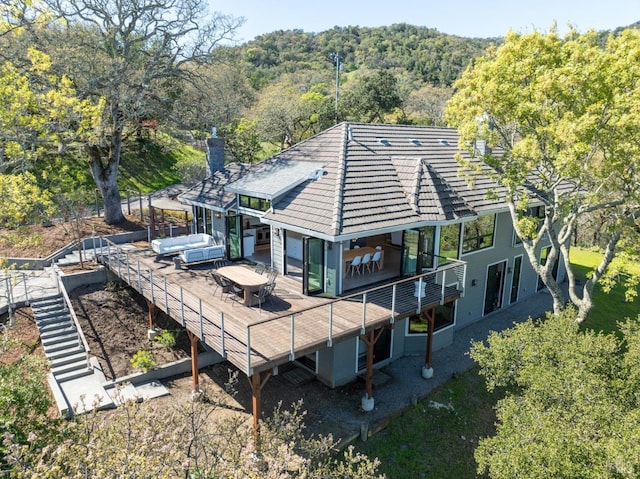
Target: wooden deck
[(290, 326)]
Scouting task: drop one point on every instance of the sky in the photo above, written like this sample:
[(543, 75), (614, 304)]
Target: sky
[(466, 18)]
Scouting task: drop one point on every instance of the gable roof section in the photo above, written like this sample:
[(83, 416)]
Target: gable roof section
[(380, 177)]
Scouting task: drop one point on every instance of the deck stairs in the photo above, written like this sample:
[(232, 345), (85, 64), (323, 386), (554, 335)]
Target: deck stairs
[(71, 376)]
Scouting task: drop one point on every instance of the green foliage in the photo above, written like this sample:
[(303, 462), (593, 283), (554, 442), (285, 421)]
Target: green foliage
[(372, 98), (166, 338), (571, 407), (561, 115), (143, 360), (23, 201), (24, 399), (433, 57), (189, 440)]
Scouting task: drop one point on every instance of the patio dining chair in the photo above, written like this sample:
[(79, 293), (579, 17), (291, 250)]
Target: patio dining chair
[(273, 274), (355, 264), (236, 293), (264, 293), (375, 260), (259, 268), (220, 283), (366, 262)]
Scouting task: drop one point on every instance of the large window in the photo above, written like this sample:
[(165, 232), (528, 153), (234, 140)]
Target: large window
[(449, 241), (445, 315), (254, 203), (478, 234)]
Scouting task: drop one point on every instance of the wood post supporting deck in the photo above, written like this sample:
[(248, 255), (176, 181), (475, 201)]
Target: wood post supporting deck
[(370, 341), (152, 219), (431, 319), (258, 381), (186, 222), (152, 311), (193, 339)]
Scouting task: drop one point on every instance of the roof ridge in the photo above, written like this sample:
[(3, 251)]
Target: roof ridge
[(338, 197), (415, 194), (446, 186)]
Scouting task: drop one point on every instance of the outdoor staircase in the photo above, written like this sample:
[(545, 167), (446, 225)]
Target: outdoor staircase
[(60, 339), (77, 387)]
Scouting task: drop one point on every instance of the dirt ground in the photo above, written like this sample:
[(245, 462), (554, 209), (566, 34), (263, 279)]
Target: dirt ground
[(115, 323), (39, 241)]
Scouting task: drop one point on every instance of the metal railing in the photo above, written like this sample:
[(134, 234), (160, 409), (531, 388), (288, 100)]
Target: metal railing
[(249, 344), (69, 307)]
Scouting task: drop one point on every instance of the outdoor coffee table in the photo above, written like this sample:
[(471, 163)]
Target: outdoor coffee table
[(245, 278)]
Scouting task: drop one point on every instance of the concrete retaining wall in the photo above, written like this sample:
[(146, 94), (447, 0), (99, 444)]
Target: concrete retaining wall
[(168, 370), (87, 243)]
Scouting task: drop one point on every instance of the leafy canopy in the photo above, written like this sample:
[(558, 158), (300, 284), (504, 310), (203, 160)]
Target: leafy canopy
[(571, 407), (561, 116)]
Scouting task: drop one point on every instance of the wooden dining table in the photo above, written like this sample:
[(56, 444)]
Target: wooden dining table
[(349, 254), (246, 278)]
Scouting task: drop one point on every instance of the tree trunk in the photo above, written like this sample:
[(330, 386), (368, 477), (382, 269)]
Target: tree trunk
[(106, 180)]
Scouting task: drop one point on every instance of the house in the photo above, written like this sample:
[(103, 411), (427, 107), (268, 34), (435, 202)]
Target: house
[(315, 210)]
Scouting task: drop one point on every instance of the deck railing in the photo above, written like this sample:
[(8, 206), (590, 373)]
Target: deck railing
[(251, 345)]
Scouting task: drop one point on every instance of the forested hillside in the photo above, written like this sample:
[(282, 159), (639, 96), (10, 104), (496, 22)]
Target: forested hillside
[(425, 53)]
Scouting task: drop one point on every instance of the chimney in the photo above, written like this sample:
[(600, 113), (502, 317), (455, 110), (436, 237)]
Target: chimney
[(215, 153), (481, 148)]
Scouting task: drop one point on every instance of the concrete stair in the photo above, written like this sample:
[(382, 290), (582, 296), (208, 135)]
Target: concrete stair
[(71, 377), (60, 339), (73, 257)]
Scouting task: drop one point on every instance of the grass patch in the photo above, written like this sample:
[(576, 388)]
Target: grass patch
[(608, 307), (148, 166), (437, 437)]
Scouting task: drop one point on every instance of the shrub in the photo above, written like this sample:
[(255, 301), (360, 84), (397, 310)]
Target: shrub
[(143, 360), (166, 338)]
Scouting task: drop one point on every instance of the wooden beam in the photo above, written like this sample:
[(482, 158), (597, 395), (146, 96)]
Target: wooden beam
[(257, 383), (431, 319), (152, 219), (370, 341), (193, 339), (152, 311)]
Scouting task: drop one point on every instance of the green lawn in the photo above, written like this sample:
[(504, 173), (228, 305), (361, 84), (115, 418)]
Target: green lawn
[(609, 307), (437, 438)]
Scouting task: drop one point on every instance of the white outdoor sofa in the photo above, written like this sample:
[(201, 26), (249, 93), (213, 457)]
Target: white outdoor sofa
[(177, 244), (200, 255)]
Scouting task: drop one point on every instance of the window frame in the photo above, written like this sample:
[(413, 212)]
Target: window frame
[(480, 238)]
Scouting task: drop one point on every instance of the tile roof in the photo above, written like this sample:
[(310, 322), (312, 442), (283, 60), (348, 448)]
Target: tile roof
[(380, 177), (211, 191), (376, 177)]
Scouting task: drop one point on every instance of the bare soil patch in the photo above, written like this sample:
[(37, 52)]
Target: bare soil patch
[(39, 241), (115, 321)]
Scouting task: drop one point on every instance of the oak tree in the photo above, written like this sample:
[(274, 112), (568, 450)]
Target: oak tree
[(561, 117), (570, 405), (132, 55)]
